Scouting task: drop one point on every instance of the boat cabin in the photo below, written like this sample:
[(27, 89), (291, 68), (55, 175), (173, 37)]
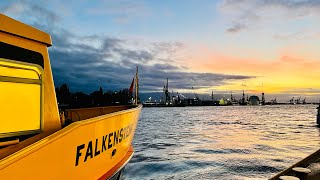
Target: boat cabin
[(26, 84)]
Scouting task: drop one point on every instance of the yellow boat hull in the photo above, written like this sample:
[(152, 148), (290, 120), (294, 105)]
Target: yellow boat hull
[(93, 148)]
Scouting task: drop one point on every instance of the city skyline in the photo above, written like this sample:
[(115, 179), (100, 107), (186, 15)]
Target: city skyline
[(218, 46)]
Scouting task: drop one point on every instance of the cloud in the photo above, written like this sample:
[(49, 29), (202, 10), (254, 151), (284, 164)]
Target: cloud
[(244, 14), (112, 66), (186, 80), (86, 62), (236, 28), (33, 12), (86, 69)]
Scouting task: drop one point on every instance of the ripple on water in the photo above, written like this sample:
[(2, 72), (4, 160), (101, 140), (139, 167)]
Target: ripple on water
[(159, 146), (252, 169), (266, 148), (209, 151), (147, 169), (223, 151), (200, 164), (142, 158), (234, 142)]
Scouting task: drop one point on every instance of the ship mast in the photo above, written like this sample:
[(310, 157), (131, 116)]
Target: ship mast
[(137, 88)]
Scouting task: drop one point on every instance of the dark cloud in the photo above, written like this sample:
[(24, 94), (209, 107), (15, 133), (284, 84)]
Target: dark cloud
[(141, 56), (186, 80), (87, 68)]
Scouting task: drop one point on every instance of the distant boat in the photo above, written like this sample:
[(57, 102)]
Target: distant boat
[(254, 100), (243, 101)]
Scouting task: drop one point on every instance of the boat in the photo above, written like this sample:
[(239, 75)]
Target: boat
[(35, 140), (254, 100), (307, 168), (243, 101)]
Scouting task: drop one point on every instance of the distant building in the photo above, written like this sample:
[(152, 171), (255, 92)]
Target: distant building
[(254, 100)]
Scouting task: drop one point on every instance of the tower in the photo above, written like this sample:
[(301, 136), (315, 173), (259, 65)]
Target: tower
[(212, 95), (263, 101), (166, 92)]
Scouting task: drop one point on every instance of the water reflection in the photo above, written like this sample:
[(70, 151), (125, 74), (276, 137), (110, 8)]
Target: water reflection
[(221, 142)]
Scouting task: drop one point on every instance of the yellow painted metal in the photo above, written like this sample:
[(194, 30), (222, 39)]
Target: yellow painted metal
[(20, 70), (54, 157), (17, 28), (20, 91), (17, 116)]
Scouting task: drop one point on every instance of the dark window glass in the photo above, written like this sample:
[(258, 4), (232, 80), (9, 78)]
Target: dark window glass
[(8, 51)]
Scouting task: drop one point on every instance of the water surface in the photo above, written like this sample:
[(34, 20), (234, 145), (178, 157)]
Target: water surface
[(231, 142)]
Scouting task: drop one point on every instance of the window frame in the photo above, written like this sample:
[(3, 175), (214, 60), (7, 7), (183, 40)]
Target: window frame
[(39, 82)]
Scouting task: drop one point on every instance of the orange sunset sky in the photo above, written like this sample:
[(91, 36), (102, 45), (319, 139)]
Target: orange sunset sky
[(219, 46)]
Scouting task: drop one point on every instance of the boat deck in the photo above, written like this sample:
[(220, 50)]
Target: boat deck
[(72, 115)]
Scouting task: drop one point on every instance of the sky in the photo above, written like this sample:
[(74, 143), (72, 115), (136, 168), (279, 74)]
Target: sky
[(221, 46)]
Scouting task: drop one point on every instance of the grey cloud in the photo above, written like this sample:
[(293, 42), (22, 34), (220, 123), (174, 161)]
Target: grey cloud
[(134, 55), (32, 11), (84, 68), (111, 43), (236, 28), (187, 80), (247, 13), (291, 4)]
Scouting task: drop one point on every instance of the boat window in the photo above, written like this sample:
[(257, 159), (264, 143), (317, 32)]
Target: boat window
[(9, 51), (20, 98)]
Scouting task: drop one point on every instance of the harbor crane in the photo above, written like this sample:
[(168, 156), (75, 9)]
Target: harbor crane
[(195, 95), (166, 92)]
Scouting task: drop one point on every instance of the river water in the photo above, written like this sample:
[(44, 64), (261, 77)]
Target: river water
[(231, 142)]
